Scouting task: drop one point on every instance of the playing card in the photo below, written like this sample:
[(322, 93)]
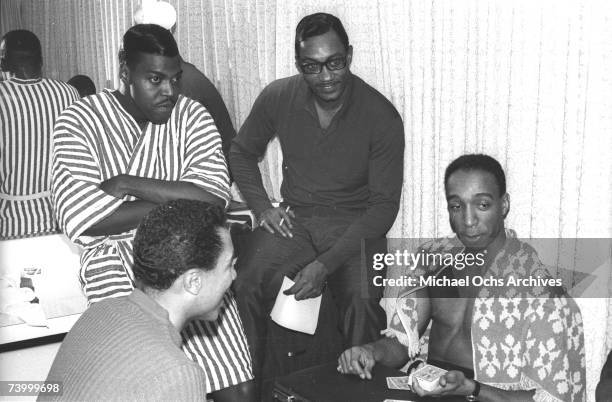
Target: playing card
[(398, 383), (428, 376)]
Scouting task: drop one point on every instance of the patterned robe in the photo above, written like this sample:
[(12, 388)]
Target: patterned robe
[(96, 139), (523, 338)]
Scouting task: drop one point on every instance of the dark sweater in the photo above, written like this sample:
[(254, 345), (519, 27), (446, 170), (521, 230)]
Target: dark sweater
[(356, 163), (126, 349)]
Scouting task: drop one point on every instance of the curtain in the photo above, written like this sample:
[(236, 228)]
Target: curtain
[(527, 82)]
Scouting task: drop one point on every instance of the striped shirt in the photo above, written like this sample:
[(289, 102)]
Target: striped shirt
[(28, 109), (5, 75), (96, 139)]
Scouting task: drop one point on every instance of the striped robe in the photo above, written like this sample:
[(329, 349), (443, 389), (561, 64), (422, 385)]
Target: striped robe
[(28, 109), (96, 139), (5, 75)]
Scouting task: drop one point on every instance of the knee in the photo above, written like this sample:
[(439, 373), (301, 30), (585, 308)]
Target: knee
[(256, 283), (249, 276)]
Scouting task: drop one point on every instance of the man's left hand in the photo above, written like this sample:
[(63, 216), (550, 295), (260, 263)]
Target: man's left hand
[(309, 281), (453, 382)]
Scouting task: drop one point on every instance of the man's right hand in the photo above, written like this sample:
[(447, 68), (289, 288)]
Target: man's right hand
[(358, 360), (277, 220)]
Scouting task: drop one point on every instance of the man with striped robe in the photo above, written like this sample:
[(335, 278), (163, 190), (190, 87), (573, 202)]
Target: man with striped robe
[(119, 154), (29, 105)]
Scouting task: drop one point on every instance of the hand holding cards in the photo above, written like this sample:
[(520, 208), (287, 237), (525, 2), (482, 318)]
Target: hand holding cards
[(428, 376)]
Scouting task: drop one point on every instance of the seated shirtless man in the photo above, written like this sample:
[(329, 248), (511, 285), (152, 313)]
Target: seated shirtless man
[(497, 341)]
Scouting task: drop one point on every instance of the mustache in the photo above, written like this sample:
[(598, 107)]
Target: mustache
[(325, 84), (166, 103)]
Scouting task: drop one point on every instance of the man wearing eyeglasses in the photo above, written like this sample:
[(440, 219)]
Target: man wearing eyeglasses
[(342, 144)]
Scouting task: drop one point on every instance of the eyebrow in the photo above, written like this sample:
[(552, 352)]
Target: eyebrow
[(162, 74), (330, 57), (476, 195)]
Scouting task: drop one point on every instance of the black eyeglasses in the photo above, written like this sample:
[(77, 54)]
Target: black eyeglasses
[(315, 67)]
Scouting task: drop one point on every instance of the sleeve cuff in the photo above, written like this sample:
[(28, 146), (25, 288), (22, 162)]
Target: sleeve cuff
[(260, 206), (330, 260)]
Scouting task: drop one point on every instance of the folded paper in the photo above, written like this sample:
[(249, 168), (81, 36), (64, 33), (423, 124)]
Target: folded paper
[(301, 315)]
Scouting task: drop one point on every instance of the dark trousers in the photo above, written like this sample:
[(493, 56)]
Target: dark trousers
[(267, 258)]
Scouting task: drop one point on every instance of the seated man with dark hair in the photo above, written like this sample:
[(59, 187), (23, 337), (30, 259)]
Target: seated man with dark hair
[(342, 143), (194, 84), (498, 340), (117, 155), (129, 348)]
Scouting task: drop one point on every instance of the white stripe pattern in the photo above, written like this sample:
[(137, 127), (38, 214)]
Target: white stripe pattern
[(28, 109), (96, 139), (225, 342)]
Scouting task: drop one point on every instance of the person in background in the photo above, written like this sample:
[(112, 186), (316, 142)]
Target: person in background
[(129, 348), (194, 84), (83, 84), (29, 105), (498, 341), (343, 145), (117, 155)]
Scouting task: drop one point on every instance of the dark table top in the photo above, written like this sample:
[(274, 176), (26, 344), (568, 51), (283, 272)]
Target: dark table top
[(325, 384)]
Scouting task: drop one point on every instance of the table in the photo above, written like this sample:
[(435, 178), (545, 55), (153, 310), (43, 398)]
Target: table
[(325, 384)]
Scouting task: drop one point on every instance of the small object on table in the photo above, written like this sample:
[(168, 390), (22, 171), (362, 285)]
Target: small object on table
[(402, 382)]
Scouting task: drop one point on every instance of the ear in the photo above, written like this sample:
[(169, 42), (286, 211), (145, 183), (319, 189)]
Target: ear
[(192, 281), (349, 56), (505, 205), (124, 73)]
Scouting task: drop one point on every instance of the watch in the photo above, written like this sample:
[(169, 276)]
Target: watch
[(474, 395)]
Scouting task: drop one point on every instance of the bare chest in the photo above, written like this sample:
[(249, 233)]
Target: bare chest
[(450, 337)]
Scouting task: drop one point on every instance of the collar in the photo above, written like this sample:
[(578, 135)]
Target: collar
[(130, 108), (24, 81), (151, 307)]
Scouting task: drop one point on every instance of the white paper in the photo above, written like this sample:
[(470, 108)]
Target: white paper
[(301, 315)]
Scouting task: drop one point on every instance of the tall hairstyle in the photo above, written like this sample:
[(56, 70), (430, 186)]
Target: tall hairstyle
[(23, 47), (175, 237), (146, 38), (481, 162), (318, 24)]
